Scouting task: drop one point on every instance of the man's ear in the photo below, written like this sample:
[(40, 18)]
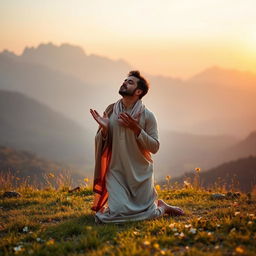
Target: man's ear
[(138, 92)]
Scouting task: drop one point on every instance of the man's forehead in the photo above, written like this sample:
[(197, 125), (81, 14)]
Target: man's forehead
[(135, 79)]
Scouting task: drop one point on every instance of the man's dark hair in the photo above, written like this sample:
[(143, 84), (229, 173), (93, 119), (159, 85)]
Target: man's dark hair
[(142, 83)]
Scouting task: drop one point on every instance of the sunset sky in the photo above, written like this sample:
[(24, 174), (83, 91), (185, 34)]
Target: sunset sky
[(166, 37)]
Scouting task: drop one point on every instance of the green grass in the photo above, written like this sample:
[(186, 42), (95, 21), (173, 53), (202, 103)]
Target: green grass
[(49, 222)]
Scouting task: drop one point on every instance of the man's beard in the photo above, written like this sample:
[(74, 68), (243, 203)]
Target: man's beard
[(126, 92)]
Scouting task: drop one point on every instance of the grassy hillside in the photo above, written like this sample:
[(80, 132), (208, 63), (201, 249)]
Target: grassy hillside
[(50, 222)]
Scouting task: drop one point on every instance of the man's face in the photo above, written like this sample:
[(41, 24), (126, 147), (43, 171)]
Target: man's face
[(129, 86)]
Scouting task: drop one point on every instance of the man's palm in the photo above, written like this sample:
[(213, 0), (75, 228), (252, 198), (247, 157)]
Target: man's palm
[(102, 121)]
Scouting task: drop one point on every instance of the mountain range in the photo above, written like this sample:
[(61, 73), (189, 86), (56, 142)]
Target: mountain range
[(29, 125), (46, 93), (215, 101)]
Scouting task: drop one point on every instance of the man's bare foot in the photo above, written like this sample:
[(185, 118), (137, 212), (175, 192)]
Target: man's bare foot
[(169, 209)]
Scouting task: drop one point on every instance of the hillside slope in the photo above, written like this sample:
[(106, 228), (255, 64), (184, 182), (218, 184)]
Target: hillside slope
[(29, 125), (25, 167), (240, 174)]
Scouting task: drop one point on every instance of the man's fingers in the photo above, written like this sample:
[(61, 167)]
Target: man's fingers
[(129, 117), (95, 116), (92, 113), (96, 113), (135, 119), (124, 119)]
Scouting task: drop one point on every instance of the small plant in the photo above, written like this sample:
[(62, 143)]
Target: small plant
[(197, 178), (168, 178), (187, 184)]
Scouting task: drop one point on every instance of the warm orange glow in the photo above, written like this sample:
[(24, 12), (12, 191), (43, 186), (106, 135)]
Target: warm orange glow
[(175, 38)]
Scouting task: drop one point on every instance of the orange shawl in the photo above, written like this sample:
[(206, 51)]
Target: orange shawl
[(103, 150)]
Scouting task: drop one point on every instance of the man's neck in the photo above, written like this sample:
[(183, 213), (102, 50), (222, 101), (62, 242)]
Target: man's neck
[(128, 102)]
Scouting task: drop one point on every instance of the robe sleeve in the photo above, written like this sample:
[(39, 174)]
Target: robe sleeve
[(148, 137)]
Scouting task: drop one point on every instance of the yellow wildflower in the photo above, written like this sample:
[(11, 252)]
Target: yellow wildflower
[(146, 243), (156, 246), (158, 187), (86, 180), (51, 175), (88, 228), (197, 169), (239, 249), (168, 177), (50, 242)]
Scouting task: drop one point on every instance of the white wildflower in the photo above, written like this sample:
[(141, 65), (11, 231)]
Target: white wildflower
[(18, 248), (25, 229), (192, 231), (182, 235)]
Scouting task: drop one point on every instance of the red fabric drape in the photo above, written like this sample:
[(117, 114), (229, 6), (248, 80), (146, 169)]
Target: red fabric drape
[(99, 186)]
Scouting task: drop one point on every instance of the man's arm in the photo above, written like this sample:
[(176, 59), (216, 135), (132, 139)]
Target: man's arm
[(148, 138)]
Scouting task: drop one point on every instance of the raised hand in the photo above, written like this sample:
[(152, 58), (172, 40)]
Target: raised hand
[(131, 123), (102, 121)]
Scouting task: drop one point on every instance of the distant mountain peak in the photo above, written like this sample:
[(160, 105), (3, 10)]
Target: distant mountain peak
[(8, 53), (223, 71), (51, 49), (251, 136)]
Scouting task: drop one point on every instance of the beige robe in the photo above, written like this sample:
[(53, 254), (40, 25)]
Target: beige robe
[(130, 177)]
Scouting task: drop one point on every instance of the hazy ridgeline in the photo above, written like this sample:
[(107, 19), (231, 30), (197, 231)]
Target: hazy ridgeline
[(46, 93)]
